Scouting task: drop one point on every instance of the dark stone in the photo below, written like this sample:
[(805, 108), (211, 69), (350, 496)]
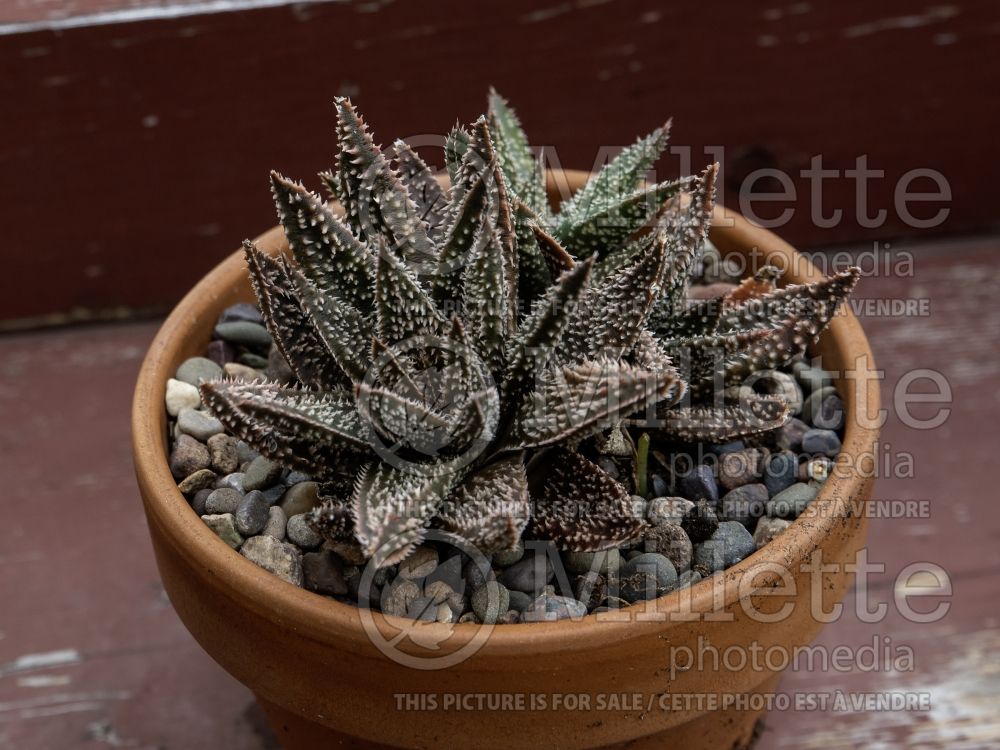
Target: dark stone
[(198, 501), (608, 466), (323, 572), (529, 574), (671, 541), (730, 447), (251, 513), (222, 449), (780, 472), (745, 504), (188, 456), (740, 467), (255, 361), (490, 601), (647, 576), (243, 333), (830, 415), (658, 485), (822, 442), (277, 366), (262, 473), (791, 502), (519, 601), (224, 500), (700, 522), (788, 437), (813, 405), (244, 311), (730, 543), (698, 484), (476, 574), (220, 352), (300, 498)]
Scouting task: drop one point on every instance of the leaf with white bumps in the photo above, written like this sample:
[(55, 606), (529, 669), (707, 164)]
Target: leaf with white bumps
[(490, 508)]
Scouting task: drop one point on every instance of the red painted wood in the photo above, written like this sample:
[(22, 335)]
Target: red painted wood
[(135, 155)]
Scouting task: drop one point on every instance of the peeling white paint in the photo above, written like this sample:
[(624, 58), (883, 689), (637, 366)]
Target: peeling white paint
[(936, 14), (41, 661)]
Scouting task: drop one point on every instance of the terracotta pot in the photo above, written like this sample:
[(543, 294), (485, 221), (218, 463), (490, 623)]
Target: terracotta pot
[(324, 683)]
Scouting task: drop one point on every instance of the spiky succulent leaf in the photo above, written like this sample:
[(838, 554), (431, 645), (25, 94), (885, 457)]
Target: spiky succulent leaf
[(557, 260), (459, 238), (455, 145), (580, 507), (306, 430), (572, 403), (719, 424), (326, 250), (402, 307), (490, 508), (391, 509), (483, 302), (621, 177), (333, 520), (516, 158), (424, 189), (611, 224), (405, 424), (292, 329)]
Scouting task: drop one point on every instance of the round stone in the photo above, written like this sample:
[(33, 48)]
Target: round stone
[(767, 529), (220, 352), (489, 601), (282, 559), (199, 500), (244, 311), (519, 601), (530, 574), (223, 525), (700, 522), (667, 509), (197, 370), (198, 424), (276, 522), (658, 485), (549, 608), (812, 407), (254, 361), (233, 481), (222, 449), (830, 415), (475, 573), (244, 333), (300, 498), (301, 533), (647, 576), (188, 456), (507, 557), (419, 564), (698, 484), (251, 513), (323, 572), (671, 541), (599, 562), (812, 378), (440, 591), (788, 437), (261, 473), (780, 472), (791, 502), (740, 467), (730, 543), (821, 442), (181, 395), (398, 596), (224, 500), (745, 504)]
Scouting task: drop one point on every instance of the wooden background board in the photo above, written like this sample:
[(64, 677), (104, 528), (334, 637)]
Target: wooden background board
[(136, 137)]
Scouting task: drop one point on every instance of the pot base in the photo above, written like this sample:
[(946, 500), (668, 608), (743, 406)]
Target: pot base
[(725, 729)]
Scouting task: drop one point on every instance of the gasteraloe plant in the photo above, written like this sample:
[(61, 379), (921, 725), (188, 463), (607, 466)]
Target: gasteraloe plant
[(441, 338)]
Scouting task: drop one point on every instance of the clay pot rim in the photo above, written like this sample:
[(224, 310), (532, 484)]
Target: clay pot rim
[(326, 620)]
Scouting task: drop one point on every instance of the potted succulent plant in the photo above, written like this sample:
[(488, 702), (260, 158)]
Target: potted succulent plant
[(472, 441)]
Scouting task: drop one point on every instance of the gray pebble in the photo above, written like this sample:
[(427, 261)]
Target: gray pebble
[(788, 437), (276, 522), (600, 562), (812, 405), (222, 449), (767, 529), (199, 480), (688, 578), (198, 424), (668, 509), (591, 589), (698, 484), (197, 370), (419, 564), (658, 485), (301, 533), (398, 596), (323, 572), (188, 456), (745, 504), (300, 498), (224, 500), (823, 442), (647, 576), (261, 473), (780, 472), (519, 601), (198, 501), (476, 574), (251, 513), (253, 361), (791, 502), (245, 311), (608, 466), (489, 601), (529, 574), (279, 558), (244, 452), (233, 481), (222, 524), (549, 608), (274, 493), (671, 541), (740, 467), (830, 415), (811, 378), (507, 557), (244, 333), (730, 543)]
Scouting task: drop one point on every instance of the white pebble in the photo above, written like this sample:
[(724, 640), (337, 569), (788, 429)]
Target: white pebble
[(181, 395)]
